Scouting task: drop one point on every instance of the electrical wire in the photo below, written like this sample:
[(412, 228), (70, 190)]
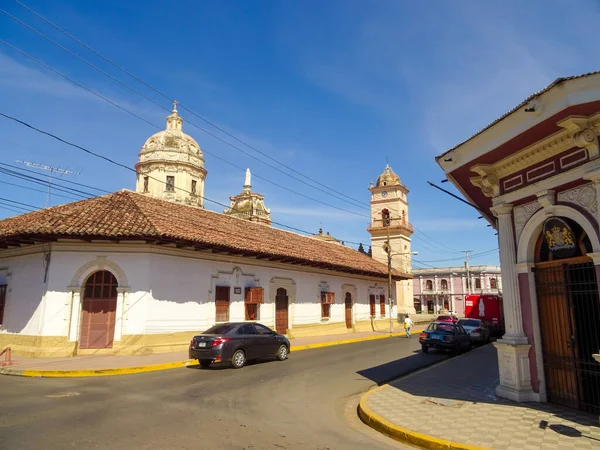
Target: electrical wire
[(327, 192), (36, 190), (167, 97), (133, 170), (159, 128)]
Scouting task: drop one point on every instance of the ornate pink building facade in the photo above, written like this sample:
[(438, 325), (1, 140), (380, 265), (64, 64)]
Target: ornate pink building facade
[(444, 288)]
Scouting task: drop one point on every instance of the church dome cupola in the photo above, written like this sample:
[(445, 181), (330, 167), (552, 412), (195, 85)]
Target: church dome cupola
[(387, 178), (171, 165)]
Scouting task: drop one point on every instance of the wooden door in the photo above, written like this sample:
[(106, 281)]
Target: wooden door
[(556, 326), (281, 311), (348, 308), (222, 303), (372, 305), (98, 312)]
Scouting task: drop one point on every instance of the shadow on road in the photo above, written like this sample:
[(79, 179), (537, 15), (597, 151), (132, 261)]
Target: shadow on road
[(387, 372)]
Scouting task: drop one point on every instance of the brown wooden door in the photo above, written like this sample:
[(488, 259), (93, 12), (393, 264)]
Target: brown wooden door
[(348, 307), (556, 326), (281, 311), (98, 312), (372, 305), (222, 303)]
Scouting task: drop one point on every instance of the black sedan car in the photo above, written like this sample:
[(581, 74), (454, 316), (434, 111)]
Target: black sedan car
[(238, 343), (445, 336)]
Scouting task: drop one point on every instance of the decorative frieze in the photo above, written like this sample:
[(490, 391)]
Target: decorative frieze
[(522, 214), (543, 158), (583, 196)]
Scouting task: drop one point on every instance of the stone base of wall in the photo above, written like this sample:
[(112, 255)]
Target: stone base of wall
[(38, 346)]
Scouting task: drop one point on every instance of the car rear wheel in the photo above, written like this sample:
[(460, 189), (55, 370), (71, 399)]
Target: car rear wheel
[(282, 353), (205, 364), (424, 348), (238, 359)]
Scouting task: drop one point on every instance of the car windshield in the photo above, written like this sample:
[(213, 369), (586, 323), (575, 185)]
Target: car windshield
[(220, 329), (469, 323), (444, 318), (441, 328)]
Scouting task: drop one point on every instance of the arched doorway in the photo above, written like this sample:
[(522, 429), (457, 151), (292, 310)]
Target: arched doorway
[(569, 313), (281, 311), (348, 309), (98, 311), (418, 306)]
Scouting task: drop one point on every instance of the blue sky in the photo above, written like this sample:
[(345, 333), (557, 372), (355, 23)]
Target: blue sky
[(331, 89)]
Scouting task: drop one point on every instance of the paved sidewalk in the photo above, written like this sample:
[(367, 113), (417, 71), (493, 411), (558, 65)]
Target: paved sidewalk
[(120, 364), (455, 401)]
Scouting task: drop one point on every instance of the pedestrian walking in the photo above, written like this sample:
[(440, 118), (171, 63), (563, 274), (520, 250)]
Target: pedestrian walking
[(408, 323)]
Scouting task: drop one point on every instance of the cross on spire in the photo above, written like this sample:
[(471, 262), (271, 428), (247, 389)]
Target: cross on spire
[(175, 103)]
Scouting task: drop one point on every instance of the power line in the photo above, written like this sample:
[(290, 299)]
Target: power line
[(159, 128), (64, 181), (327, 192), (170, 99), (129, 168), (35, 190)]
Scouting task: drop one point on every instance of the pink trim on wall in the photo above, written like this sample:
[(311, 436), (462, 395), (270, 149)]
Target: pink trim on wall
[(527, 315)]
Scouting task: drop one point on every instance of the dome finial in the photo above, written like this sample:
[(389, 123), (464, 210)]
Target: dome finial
[(174, 122), (247, 184)]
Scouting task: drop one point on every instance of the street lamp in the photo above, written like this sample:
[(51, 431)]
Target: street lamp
[(387, 248)]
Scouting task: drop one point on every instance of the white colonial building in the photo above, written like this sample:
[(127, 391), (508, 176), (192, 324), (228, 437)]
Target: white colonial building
[(141, 272)]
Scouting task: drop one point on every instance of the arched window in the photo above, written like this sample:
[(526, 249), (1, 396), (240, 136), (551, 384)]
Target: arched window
[(429, 285), (385, 217), (444, 284), (477, 283), (493, 283)]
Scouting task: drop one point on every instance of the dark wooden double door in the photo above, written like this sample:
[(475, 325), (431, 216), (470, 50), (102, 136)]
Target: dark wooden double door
[(569, 312), (98, 311), (281, 311)]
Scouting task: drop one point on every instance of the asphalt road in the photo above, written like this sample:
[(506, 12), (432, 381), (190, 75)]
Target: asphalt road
[(306, 402)]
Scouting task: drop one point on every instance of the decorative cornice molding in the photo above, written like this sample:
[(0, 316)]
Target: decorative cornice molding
[(577, 131)]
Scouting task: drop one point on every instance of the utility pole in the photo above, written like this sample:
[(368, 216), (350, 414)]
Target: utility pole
[(466, 252), (51, 170), (389, 255)]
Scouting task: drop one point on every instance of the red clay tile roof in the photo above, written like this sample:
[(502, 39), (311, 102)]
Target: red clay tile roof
[(127, 215), (519, 106)]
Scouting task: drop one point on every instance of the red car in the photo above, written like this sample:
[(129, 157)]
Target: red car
[(447, 318)]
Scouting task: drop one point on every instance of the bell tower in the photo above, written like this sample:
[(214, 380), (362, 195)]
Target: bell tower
[(389, 224)]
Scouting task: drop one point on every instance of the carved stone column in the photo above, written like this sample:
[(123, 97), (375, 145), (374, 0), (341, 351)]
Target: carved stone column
[(513, 348), (508, 259)]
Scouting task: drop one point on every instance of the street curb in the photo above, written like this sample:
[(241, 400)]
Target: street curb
[(13, 371), (401, 434)]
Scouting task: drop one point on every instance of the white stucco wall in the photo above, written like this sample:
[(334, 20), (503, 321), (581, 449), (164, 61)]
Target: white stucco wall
[(165, 293), (24, 277)]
